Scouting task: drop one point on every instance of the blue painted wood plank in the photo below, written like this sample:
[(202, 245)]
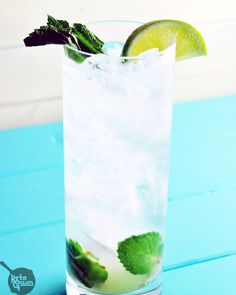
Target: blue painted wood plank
[(35, 148), (203, 147), (211, 278), (31, 200), (200, 227), (43, 251)]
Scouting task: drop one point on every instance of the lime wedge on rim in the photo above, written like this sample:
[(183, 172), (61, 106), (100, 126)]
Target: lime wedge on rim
[(160, 34)]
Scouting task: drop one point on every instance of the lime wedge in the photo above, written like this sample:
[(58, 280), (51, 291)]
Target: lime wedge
[(161, 34)]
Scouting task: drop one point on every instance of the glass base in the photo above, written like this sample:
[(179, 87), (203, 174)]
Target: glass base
[(153, 288)]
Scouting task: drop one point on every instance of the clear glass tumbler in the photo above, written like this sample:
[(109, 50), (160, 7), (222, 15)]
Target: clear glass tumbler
[(117, 122)]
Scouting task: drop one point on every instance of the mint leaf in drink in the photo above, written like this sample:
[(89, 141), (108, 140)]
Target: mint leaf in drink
[(84, 266), (140, 254), (74, 248), (60, 32)]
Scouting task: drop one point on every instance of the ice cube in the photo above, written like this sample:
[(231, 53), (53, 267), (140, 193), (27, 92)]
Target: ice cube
[(113, 48), (103, 61)]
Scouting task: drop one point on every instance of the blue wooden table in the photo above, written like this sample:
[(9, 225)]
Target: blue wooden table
[(201, 225)]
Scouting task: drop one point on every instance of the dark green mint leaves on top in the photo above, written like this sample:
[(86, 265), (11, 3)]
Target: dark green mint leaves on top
[(60, 32)]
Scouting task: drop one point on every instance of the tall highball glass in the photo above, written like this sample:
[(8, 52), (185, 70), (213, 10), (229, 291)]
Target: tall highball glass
[(117, 123)]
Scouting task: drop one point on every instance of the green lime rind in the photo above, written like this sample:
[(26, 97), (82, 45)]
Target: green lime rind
[(189, 41), (140, 254), (84, 266)]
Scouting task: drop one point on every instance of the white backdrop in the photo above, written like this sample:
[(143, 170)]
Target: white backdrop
[(30, 78)]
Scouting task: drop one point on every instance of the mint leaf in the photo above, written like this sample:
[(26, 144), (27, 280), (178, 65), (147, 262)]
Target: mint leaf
[(84, 266), (59, 32), (62, 25), (45, 35), (88, 41), (74, 54), (55, 32), (74, 248), (140, 254)]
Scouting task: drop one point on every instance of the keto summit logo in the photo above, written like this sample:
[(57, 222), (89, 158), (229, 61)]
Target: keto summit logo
[(21, 280)]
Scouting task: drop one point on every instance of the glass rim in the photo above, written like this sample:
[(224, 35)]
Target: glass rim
[(87, 54)]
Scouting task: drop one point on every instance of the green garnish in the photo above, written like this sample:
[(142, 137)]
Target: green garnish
[(161, 34), (60, 32), (84, 266), (88, 41), (140, 254)]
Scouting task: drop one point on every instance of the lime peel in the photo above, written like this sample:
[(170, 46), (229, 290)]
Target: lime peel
[(163, 33)]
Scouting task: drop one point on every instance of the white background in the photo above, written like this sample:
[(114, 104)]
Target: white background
[(30, 78)]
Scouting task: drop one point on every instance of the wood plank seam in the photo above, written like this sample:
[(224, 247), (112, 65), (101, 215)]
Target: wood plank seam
[(33, 226), (199, 260), (210, 192), (25, 102), (35, 170)]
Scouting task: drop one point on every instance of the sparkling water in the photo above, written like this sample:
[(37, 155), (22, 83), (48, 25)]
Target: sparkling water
[(117, 121)]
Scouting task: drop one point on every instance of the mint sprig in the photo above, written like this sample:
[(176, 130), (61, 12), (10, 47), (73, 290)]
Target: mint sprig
[(88, 41), (140, 254), (60, 32), (84, 266)]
